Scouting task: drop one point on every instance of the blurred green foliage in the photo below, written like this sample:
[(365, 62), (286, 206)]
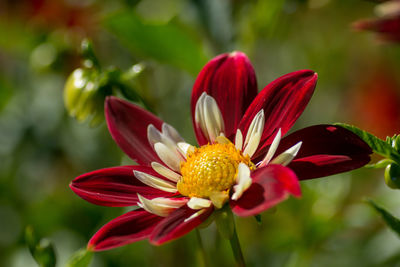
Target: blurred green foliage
[(41, 249), (42, 149), (390, 220), (164, 42)]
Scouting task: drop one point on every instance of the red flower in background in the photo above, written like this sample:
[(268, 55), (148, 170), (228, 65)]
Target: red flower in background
[(387, 25), (241, 160), (374, 104)]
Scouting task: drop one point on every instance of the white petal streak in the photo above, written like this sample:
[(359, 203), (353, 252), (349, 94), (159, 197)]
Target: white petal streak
[(155, 182), (166, 172), (209, 117), (160, 206), (239, 140), (168, 156), (254, 133), (197, 203), (286, 157), (272, 149), (194, 215), (243, 181)]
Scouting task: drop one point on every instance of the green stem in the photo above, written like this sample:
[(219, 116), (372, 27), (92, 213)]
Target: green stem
[(202, 253), (237, 251)]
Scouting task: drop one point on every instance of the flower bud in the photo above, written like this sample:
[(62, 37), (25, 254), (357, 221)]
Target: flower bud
[(84, 97), (392, 176), (396, 143)]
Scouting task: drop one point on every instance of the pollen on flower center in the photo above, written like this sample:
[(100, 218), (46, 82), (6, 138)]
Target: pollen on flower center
[(209, 169)]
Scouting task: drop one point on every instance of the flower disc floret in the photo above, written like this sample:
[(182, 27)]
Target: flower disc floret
[(209, 169)]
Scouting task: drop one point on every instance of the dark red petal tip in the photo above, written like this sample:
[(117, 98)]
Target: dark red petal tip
[(230, 79), (325, 150), (283, 101), (128, 125), (115, 187), (271, 185), (128, 228)]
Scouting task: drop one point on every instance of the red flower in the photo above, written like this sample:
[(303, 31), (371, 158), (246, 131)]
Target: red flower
[(242, 160), (388, 23)]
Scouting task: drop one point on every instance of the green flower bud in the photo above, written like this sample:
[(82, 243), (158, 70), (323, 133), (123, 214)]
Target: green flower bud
[(84, 96), (396, 143), (392, 175)]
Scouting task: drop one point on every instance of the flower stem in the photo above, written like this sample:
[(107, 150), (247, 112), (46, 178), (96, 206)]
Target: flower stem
[(237, 251), (202, 253)]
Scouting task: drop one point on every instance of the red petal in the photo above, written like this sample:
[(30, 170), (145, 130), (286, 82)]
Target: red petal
[(283, 101), (128, 124), (174, 226), (231, 81), (115, 187), (326, 150), (388, 27), (271, 185), (128, 228)]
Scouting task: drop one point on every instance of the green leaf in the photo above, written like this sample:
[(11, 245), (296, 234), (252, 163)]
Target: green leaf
[(166, 43), (41, 249), (389, 219), (80, 258), (378, 146)]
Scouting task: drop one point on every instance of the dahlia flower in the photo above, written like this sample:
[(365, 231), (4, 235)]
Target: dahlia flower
[(386, 25), (241, 161)]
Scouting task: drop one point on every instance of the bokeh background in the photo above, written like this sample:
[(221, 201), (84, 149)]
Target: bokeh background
[(42, 148)]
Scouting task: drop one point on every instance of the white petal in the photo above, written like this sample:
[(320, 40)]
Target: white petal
[(239, 140), (160, 206), (168, 156), (199, 115), (212, 118), (243, 181), (272, 149), (252, 145), (253, 136), (213, 109), (168, 137), (164, 171), (185, 148), (155, 182), (171, 133), (153, 135), (197, 203), (286, 157), (259, 117), (223, 140), (209, 117), (388, 9)]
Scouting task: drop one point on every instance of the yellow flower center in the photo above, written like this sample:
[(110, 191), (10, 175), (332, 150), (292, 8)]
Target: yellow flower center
[(209, 169)]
